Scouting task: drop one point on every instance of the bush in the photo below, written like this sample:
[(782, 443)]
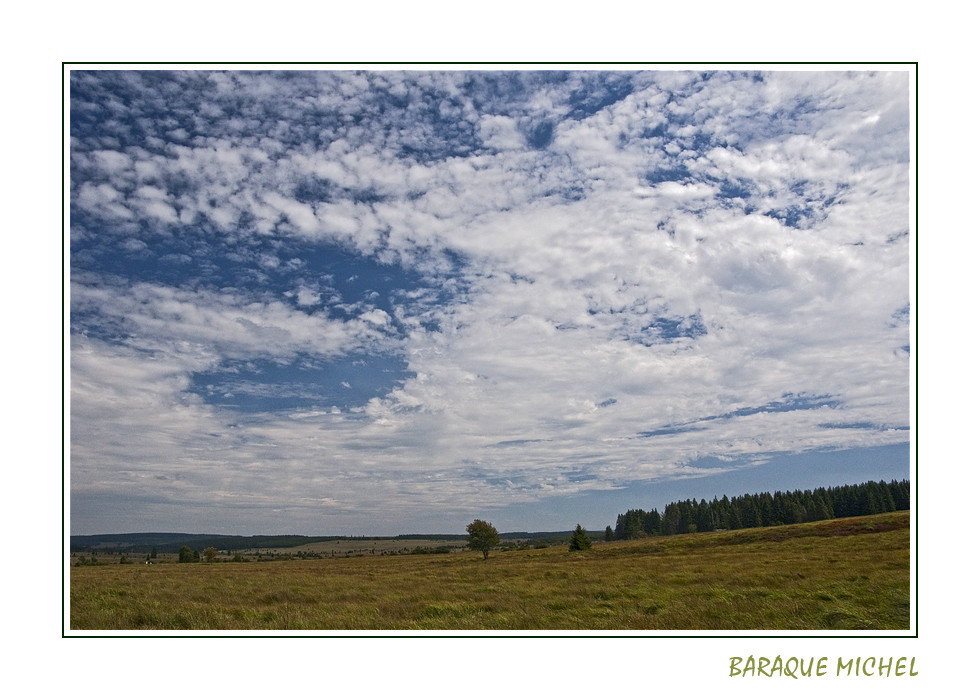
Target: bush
[(443, 549)]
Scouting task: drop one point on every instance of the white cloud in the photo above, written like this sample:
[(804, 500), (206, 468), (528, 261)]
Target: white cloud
[(112, 162), (376, 317), (223, 325), (583, 280), (501, 132), (307, 296)]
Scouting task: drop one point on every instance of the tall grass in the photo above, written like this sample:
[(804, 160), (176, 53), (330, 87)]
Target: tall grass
[(835, 575)]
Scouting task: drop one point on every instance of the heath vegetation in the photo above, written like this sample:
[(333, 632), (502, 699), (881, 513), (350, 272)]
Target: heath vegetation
[(840, 574)]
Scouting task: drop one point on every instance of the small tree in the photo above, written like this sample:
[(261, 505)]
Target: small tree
[(580, 540), (610, 535), (210, 554), (185, 555), (483, 537)]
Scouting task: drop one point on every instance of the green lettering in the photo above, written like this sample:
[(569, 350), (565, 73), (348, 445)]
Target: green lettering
[(900, 667), (883, 668), (822, 666), (796, 664), (808, 670), (840, 665), (912, 671), (733, 669), (864, 668), (749, 665), (763, 662), (777, 665)]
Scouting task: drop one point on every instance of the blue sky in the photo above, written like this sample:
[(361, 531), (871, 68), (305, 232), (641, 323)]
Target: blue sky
[(341, 302)]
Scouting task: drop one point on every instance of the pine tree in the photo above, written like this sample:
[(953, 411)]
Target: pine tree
[(580, 540), (654, 522), (900, 494), (670, 523), (630, 525)]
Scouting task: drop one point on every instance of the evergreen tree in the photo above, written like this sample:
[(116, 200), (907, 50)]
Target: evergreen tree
[(687, 515), (580, 540), (734, 519), (723, 509), (670, 524), (766, 514), (702, 517), (868, 501), (610, 535), (751, 517), (900, 494), (887, 500), (765, 509), (629, 526)]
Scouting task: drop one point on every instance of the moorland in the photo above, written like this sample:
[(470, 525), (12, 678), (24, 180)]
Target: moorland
[(837, 574)]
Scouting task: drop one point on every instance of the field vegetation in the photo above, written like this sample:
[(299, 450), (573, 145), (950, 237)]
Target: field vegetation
[(843, 574)]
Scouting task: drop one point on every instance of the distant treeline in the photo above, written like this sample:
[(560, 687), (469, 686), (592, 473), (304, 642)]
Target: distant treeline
[(171, 542), (763, 510)]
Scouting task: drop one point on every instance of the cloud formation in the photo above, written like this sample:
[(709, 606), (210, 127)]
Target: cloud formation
[(528, 283)]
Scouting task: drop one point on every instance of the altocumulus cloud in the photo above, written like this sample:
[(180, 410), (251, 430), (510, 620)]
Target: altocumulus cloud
[(330, 301)]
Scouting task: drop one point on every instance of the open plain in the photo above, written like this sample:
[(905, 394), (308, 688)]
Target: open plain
[(842, 574)]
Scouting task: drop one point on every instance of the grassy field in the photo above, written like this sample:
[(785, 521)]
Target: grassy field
[(846, 574)]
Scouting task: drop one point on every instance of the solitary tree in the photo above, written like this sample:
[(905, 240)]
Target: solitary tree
[(483, 537), (210, 554), (580, 540)]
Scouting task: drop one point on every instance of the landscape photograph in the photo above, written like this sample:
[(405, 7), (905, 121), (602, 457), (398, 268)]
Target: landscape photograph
[(559, 350)]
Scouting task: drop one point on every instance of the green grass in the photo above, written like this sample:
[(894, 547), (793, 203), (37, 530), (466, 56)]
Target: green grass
[(848, 574)]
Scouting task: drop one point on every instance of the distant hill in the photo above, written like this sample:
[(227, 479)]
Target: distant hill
[(172, 541)]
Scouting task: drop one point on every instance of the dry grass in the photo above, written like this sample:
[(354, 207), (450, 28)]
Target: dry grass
[(841, 574)]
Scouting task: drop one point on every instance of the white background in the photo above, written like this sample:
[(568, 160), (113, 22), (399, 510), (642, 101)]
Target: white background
[(39, 38)]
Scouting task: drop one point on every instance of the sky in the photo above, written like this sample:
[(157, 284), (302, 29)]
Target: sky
[(392, 301)]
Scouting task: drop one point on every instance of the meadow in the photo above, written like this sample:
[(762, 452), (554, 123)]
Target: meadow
[(842, 574)]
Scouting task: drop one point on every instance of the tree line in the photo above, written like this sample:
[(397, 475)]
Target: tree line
[(763, 510)]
